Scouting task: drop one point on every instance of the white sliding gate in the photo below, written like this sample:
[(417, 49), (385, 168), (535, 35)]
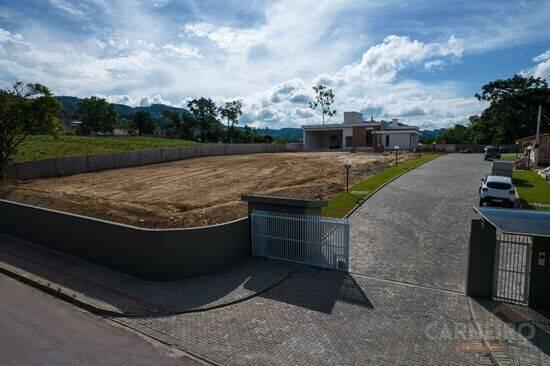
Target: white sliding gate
[(313, 240), (512, 268)]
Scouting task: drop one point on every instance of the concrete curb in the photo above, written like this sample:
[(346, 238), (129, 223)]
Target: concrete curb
[(32, 281), (383, 185), (66, 295)]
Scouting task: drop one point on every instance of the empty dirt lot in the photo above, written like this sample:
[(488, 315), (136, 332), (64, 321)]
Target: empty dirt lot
[(195, 192)]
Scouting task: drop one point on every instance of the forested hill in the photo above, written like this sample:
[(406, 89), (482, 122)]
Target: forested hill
[(288, 133), (70, 106)]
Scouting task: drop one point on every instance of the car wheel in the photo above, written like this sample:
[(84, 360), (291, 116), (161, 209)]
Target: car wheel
[(481, 202)]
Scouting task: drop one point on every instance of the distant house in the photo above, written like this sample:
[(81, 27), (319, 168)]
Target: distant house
[(164, 132), (124, 132), (354, 132), (544, 147), (74, 123)]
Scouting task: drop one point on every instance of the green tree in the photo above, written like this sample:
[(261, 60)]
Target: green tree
[(205, 112), (459, 134), (231, 111), (97, 115), (127, 125), (188, 123), (513, 108), (143, 122), (24, 109), (175, 119), (511, 114), (324, 98)]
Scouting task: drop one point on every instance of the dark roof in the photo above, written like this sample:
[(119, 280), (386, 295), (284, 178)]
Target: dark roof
[(528, 138), (519, 222)]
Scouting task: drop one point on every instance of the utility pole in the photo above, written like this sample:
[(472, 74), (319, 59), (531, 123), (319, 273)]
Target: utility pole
[(537, 138)]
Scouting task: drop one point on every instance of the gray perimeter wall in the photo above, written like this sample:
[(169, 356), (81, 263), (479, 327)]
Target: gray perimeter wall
[(93, 163), (149, 254), (451, 148)]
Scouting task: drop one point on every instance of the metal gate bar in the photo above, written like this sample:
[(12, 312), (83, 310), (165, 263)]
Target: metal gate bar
[(313, 240), (512, 268)]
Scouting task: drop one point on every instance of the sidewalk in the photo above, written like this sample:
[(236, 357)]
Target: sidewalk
[(108, 292)]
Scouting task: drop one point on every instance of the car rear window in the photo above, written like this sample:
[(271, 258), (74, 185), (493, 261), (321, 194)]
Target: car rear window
[(498, 185)]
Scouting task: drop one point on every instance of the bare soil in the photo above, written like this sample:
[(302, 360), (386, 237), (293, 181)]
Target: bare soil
[(195, 192)]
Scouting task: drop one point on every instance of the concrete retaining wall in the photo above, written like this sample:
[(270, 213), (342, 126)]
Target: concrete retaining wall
[(451, 148), (93, 163), (295, 147), (149, 254)]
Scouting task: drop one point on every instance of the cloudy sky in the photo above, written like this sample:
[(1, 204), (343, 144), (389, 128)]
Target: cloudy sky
[(419, 61)]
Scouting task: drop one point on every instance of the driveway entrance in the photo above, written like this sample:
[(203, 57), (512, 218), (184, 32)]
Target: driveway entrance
[(416, 229)]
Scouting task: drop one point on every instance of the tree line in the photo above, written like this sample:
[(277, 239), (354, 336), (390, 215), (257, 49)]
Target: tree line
[(512, 113), (201, 123)]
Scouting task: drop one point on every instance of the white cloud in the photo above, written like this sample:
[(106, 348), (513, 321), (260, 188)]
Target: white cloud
[(7, 36), (155, 99), (542, 69), (372, 86), (120, 99), (67, 7), (229, 39), (382, 62), (433, 65), (182, 51)]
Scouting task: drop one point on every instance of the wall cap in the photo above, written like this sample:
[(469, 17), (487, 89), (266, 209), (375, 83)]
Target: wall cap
[(138, 228), (282, 201)]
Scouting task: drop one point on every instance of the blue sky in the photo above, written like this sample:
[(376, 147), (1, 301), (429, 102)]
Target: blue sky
[(419, 61)]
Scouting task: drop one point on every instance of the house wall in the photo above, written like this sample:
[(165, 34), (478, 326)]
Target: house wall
[(359, 137), (544, 148)]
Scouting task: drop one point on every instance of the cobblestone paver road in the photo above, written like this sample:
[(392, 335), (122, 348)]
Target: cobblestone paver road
[(321, 317), (416, 229)]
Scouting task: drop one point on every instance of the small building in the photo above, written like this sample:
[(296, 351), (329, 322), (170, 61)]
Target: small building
[(124, 132), (544, 147), (355, 132)]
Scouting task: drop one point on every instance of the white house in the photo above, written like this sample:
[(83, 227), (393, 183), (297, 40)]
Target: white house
[(357, 133)]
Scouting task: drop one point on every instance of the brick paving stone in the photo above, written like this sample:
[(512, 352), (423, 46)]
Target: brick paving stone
[(416, 229), (521, 330), (331, 318), (114, 291)]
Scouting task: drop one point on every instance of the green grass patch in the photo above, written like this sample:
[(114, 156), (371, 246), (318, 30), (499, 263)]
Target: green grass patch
[(37, 147), (510, 157), (344, 202), (532, 188)]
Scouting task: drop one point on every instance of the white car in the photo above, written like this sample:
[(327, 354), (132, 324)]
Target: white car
[(497, 190), (545, 173)]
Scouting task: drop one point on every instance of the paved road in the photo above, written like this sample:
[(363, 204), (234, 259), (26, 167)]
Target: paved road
[(37, 329), (416, 229)]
